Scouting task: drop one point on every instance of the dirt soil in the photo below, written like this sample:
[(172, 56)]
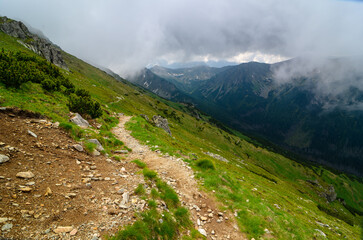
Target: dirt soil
[(74, 195)]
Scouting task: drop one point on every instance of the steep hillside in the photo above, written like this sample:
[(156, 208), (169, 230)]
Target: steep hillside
[(294, 115), (259, 193)]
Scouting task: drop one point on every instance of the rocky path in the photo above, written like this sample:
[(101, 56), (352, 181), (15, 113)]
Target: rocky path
[(205, 213), (52, 189)]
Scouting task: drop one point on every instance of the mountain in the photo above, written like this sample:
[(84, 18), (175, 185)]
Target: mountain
[(158, 85), (203, 173), (292, 115), (38, 44), (187, 79)]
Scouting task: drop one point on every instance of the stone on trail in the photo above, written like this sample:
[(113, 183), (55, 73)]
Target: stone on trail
[(202, 231), (7, 226), (63, 229), (4, 158), (78, 147), (25, 175), (32, 134)]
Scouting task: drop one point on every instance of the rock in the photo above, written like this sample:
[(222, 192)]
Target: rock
[(125, 198), (32, 134), (161, 123), (25, 175), (321, 233), (4, 158), (145, 117), (25, 189), (71, 195), (73, 232), (30, 183), (199, 222), (121, 151), (79, 121), (203, 218), (216, 156), (63, 229), (98, 144), (96, 153), (48, 192), (202, 231), (330, 194), (78, 147), (7, 226)]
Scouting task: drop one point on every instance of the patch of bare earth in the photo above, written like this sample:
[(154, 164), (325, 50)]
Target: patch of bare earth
[(85, 191), (203, 207)]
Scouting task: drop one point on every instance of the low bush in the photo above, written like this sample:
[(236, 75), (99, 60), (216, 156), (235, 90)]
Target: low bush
[(205, 164)]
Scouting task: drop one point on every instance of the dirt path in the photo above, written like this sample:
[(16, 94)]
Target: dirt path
[(204, 208), (74, 195)]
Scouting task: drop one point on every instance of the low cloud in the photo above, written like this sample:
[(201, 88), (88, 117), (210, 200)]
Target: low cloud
[(129, 35)]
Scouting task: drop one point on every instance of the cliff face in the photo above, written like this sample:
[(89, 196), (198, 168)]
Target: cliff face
[(41, 46)]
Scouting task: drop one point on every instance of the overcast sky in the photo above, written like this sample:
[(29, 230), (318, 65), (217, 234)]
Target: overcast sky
[(124, 35)]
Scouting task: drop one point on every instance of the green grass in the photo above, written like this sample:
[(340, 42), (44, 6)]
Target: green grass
[(139, 163), (205, 164)]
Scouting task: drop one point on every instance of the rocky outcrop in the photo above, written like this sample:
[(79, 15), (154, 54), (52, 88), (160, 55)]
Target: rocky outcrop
[(162, 123), (39, 45)]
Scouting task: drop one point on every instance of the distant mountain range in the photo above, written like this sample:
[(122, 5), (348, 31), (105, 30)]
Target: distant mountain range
[(313, 111)]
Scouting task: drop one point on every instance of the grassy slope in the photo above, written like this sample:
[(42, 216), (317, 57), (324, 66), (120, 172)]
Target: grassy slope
[(265, 189)]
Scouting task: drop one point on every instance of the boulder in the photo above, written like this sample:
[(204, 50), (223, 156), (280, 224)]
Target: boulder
[(4, 158), (79, 121), (95, 141), (162, 123)]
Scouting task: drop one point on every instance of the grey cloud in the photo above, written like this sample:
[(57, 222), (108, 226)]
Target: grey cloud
[(126, 35)]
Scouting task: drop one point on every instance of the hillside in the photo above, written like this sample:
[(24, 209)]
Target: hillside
[(266, 194)]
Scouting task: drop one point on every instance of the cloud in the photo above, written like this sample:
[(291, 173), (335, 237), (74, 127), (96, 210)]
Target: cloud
[(126, 35)]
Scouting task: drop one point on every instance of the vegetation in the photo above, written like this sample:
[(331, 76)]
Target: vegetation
[(17, 68), (264, 189)]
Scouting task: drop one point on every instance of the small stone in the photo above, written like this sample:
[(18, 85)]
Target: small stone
[(78, 147), (203, 218), (25, 189), (25, 175), (32, 134), (96, 153), (7, 226), (63, 229), (71, 195), (202, 231), (4, 158), (210, 215), (48, 192), (73, 232), (3, 219), (30, 183), (213, 232), (107, 179), (198, 222), (121, 151)]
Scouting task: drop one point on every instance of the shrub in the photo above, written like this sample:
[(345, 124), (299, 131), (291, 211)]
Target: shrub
[(205, 164), (84, 105)]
